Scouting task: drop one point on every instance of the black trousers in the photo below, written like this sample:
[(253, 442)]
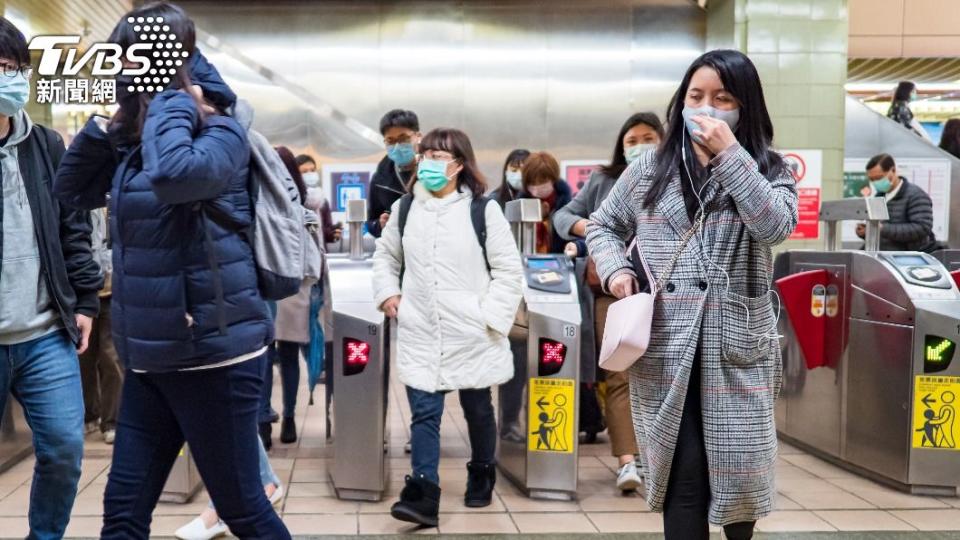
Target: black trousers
[(688, 490)]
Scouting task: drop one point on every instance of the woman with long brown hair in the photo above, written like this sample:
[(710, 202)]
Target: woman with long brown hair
[(454, 301)]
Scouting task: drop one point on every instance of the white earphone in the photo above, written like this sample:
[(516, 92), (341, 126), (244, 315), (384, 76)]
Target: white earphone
[(771, 333)]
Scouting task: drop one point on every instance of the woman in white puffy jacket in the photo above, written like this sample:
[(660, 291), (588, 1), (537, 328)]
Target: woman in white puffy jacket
[(453, 315)]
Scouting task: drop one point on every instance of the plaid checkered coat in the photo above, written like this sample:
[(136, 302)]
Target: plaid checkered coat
[(741, 373)]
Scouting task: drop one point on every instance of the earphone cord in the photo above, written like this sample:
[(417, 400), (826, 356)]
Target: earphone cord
[(771, 333)]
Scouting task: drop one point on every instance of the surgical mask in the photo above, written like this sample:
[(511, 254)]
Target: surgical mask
[(401, 153), (515, 179), (541, 191), (883, 185), (633, 152), (732, 118), (432, 173), (311, 179), (14, 92)]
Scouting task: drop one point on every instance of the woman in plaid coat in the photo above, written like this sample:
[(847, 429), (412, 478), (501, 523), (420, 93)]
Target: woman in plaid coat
[(703, 394)]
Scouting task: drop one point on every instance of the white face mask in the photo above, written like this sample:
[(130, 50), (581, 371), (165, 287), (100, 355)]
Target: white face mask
[(312, 179), (515, 179), (633, 152)]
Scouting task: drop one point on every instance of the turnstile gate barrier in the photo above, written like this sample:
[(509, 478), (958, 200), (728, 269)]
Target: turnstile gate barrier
[(360, 371), (870, 378), (538, 410)]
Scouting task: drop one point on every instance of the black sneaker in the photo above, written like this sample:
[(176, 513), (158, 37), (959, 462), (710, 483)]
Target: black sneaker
[(266, 435), (288, 431), (419, 502), (480, 480)]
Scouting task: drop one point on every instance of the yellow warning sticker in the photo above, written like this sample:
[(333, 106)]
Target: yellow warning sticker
[(935, 423), (552, 415)]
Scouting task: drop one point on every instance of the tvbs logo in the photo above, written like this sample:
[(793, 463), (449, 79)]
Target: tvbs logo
[(146, 66)]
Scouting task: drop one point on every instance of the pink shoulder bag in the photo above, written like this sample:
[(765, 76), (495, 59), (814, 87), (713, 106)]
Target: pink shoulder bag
[(626, 333)]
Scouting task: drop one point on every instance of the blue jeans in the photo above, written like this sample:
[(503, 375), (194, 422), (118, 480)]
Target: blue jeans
[(44, 376), (215, 412), (426, 410)]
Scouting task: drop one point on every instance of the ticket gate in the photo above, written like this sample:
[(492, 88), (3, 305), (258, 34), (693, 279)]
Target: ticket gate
[(870, 381), (360, 371), (184, 479), (538, 412), (950, 259)]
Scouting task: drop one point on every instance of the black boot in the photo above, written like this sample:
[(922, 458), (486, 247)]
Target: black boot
[(288, 431), (419, 502), (480, 480), (266, 434)]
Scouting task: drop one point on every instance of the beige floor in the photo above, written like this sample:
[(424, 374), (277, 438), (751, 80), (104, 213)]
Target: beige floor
[(814, 495)]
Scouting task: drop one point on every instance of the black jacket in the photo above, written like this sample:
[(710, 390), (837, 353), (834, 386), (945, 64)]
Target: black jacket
[(71, 274), (910, 227), (385, 188)]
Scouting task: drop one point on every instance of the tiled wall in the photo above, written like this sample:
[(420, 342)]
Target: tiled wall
[(800, 50), (910, 28)]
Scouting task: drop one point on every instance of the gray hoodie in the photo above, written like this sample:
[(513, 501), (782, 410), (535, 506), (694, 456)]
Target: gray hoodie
[(26, 309)]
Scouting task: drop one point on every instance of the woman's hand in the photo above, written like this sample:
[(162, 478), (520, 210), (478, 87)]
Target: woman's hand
[(715, 134), (579, 228), (623, 286), (197, 93), (391, 306)]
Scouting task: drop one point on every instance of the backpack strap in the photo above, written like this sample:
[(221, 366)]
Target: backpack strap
[(478, 215), (405, 203)]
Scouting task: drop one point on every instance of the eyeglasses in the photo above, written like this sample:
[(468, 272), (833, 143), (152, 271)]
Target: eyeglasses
[(403, 139), (12, 71)]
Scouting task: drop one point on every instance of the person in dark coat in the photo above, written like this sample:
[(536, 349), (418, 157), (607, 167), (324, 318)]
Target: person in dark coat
[(910, 227), (512, 182), (641, 133), (401, 136), (191, 326), (49, 281), (541, 180)]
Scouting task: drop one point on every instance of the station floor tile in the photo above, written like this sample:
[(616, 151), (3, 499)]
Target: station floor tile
[(816, 499)]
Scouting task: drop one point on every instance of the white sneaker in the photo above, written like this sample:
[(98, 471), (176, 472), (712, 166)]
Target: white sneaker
[(277, 496), (90, 427), (195, 530), (628, 479), (109, 436)]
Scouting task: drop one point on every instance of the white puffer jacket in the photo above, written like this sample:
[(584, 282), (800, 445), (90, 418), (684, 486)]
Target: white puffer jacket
[(454, 315)]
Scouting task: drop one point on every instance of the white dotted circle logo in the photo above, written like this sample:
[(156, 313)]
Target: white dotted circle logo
[(167, 51)]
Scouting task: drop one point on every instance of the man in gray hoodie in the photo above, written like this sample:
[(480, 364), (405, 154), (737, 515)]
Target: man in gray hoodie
[(48, 295)]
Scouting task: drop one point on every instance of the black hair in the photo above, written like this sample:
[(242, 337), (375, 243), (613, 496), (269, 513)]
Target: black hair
[(903, 91), (128, 122), (290, 162), (950, 139), (13, 45), (754, 131), (458, 144), (303, 158), (618, 163), (399, 118), (885, 161), (515, 158)]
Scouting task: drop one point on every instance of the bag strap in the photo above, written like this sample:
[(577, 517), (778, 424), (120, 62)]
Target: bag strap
[(676, 255), (478, 216), (406, 202)]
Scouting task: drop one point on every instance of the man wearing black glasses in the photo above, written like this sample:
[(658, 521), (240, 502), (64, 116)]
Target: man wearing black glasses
[(48, 294), (401, 136)]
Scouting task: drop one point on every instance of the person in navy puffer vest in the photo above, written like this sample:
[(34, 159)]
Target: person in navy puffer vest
[(190, 324)]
